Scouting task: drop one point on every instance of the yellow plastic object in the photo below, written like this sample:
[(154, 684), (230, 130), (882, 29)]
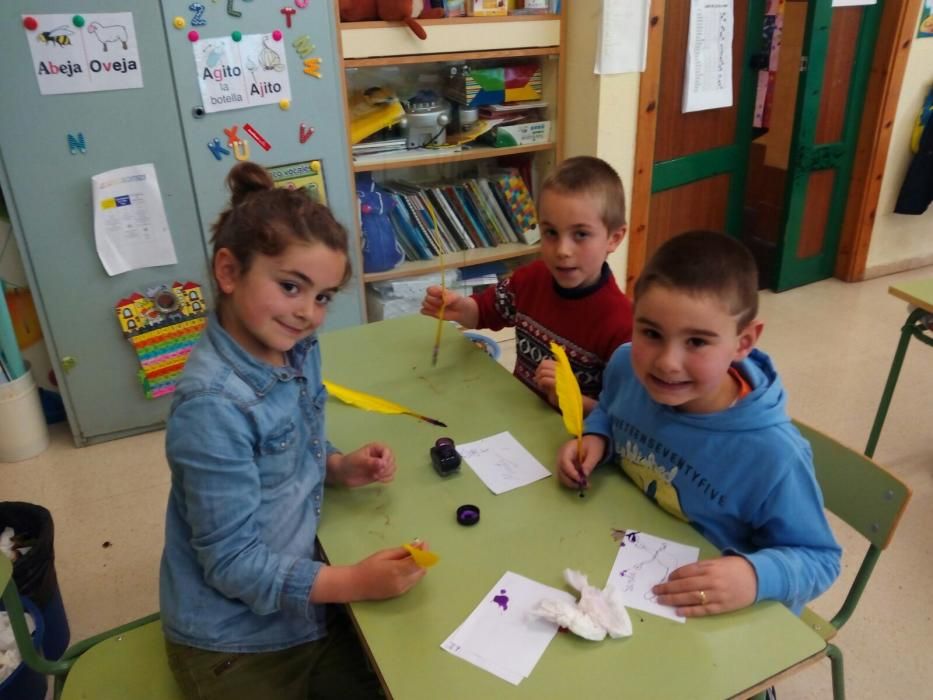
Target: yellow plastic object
[(368, 118), (178, 23), (422, 557)]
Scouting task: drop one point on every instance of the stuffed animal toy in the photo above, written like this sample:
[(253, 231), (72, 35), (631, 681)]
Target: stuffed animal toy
[(406, 11), (358, 10), (390, 11)]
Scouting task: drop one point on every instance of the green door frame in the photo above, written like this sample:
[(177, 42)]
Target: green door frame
[(808, 157), (731, 159)]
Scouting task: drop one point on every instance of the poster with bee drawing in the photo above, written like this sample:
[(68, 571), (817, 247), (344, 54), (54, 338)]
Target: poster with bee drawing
[(99, 52), (246, 73)]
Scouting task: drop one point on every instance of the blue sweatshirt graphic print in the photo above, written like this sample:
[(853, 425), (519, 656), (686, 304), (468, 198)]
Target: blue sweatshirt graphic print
[(743, 476)]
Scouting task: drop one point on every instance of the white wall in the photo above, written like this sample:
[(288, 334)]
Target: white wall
[(899, 241), (600, 112)]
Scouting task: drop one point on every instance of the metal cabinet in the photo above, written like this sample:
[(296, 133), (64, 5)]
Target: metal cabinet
[(47, 187)]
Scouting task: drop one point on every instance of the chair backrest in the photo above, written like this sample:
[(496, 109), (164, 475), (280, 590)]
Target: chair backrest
[(867, 497), (14, 608)]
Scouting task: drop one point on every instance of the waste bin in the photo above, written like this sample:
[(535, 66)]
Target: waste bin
[(34, 572), (24, 683)]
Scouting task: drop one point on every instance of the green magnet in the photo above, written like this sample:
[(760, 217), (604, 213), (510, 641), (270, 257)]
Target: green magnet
[(77, 21), (236, 36)]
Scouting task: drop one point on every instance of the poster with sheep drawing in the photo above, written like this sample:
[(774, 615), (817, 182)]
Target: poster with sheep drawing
[(83, 53)]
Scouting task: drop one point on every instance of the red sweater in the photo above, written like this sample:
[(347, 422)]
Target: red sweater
[(590, 324)]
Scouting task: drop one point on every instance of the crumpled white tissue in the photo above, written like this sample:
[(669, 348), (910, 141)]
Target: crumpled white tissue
[(597, 613)]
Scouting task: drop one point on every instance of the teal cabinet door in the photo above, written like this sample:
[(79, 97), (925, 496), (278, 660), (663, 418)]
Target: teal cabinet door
[(240, 64), (48, 192)]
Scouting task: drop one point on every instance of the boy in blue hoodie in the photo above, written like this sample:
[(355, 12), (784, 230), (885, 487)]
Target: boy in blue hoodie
[(696, 416)]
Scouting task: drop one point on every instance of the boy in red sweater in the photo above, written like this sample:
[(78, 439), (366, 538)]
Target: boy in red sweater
[(569, 295)]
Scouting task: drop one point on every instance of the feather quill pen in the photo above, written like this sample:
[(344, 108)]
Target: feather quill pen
[(368, 402), (440, 258), (570, 400)]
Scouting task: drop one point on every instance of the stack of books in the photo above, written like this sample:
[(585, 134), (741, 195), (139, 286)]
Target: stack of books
[(445, 217)]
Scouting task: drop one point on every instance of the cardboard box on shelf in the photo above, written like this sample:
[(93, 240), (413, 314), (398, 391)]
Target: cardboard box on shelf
[(486, 8), (526, 134)]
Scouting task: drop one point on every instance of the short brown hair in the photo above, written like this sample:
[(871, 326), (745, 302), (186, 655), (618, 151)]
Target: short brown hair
[(266, 219), (593, 176), (706, 262)]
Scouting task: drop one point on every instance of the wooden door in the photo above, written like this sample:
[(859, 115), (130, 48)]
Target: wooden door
[(837, 53), (699, 159)]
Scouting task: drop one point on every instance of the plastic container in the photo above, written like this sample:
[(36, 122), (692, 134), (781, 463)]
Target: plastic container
[(24, 683), (34, 573), (23, 430), (486, 343)]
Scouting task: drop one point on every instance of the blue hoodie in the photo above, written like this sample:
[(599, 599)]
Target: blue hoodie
[(743, 476)]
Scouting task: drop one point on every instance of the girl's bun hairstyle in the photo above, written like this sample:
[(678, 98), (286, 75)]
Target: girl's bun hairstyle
[(265, 219), (245, 179)]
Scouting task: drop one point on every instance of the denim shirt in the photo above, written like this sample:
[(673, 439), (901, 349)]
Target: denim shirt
[(246, 447)]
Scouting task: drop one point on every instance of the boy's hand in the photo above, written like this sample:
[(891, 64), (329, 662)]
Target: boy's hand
[(372, 462), (546, 380), (463, 310), (574, 473), (710, 587)]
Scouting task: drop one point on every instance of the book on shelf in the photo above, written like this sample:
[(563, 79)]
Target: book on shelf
[(457, 215)]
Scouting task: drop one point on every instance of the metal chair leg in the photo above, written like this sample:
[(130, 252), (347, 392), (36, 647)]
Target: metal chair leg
[(839, 682), (906, 332)]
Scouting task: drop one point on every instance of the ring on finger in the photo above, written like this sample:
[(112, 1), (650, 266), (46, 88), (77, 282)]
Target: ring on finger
[(702, 597)]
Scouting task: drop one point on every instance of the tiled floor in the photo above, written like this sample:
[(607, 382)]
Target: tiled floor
[(831, 341)]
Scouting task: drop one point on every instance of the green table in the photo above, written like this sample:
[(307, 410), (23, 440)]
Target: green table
[(536, 531), (919, 294)]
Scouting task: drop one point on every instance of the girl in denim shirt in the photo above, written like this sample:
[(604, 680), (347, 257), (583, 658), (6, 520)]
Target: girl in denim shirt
[(243, 596)]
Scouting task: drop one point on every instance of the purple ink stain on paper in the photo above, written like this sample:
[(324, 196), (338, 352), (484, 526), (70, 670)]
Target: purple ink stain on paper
[(501, 600)]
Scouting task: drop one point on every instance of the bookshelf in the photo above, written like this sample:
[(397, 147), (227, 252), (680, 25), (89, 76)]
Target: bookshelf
[(378, 53)]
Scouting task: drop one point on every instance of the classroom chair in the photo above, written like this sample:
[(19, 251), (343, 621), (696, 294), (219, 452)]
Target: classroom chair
[(871, 501), (126, 662)]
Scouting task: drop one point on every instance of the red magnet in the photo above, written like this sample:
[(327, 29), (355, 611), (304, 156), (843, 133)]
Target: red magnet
[(304, 132), (193, 36), (288, 12), (277, 35), (257, 137), (30, 23)]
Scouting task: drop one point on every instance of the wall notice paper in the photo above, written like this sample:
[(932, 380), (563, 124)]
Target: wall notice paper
[(642, 562), (708, 73), (622, 45), (102, 54), (502, 463), (246, 73), (130, 228), (501, 636), (849, 3)]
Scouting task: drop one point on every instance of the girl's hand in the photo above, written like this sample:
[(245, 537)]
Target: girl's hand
[(573, 472), (458, 308), (371, 462), (710, 587), (546, 380), (387, 573)]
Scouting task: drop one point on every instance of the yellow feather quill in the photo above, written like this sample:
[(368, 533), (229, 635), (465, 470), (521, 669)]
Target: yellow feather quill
[(570, 400), (368, 402)]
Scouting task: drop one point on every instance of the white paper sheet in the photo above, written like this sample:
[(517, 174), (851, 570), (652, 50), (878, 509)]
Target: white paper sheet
[(708, 70), (643, 561), (100, 55), (130, 227), (500, 636), (623, 37), (246, 73), (849, 3), (502, 463)]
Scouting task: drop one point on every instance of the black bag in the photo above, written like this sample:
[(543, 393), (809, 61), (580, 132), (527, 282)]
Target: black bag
[(33, 572)]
